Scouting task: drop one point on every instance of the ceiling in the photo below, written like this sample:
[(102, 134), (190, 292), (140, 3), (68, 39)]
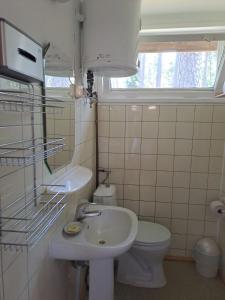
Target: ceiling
[(154, 7)]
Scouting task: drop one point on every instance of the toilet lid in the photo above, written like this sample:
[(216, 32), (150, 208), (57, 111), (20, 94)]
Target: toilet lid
[(151, 233)]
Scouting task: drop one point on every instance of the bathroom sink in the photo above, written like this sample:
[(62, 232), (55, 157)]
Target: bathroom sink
[(105, 236)]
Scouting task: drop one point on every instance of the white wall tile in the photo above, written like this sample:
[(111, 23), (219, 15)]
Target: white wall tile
[(181, 179), (117, 113), (147, 177), (166, 146), (103, 113), (164, 178), (199, 180), (164, 194), (180, 195), (166, 130), (150, 130), (148, 162), (198, 196), (201, 147), (182, 163), (219, 113), (150, 113), (116, 145), (132, 161), (163, 210), (203, 113), (116, 161), (196, 212), (202, 131), (133, 113), (117, 129), (133, 129), (184, 130), (147, 193), (179, 211), (165, 163), (167, 113), (149, 146), (185, 113), (131, 192), (147, 209), (132, 177), (200, 164), (132, 145), (183, 147)]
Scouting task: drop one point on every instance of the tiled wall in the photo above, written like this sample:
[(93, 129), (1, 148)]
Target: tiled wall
[(166, 163), (31, 273)]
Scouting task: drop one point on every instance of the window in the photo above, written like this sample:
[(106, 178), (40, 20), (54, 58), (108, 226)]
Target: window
[(175, 65), (58, 82)]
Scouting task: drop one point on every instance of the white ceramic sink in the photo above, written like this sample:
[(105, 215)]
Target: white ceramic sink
[(108, 235)]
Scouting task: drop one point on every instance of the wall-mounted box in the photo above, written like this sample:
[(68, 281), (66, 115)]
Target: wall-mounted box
[(20, 56)]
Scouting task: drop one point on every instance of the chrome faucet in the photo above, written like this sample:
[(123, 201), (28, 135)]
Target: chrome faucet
[(82, 212)]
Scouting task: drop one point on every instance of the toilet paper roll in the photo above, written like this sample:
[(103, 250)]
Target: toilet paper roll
[(218, 208)]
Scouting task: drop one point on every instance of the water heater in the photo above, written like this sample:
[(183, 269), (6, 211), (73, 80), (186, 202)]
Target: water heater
[(110, 37)]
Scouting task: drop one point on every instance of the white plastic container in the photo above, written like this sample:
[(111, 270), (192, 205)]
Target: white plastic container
[(105, 195), (207, 254), (110, 37)]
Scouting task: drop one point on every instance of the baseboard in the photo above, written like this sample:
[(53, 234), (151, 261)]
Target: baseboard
[(179, 258)]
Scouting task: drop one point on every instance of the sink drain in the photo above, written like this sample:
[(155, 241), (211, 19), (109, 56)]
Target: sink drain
[(101, 242)]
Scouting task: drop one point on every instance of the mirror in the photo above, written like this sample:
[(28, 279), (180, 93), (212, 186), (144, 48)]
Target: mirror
[(60, 123)]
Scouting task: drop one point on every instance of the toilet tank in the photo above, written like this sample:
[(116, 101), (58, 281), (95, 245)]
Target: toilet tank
[(105, 195)]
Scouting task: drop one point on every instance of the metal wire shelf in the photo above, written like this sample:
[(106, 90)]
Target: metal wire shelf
[(27, 152), (17, 101), (24, 223)]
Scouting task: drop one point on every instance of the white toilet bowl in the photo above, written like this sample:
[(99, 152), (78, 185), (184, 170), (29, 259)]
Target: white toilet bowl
[(142, 265)]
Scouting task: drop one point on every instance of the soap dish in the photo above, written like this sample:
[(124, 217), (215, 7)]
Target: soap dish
[(72, 228)]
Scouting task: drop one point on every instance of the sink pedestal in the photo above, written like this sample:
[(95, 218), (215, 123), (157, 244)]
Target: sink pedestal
[(101, 279)]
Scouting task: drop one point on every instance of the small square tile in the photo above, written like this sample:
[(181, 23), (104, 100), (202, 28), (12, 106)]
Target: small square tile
[(166, 130), (178, 241), (200, 164), (103, 144), (179, 226), (215, 165), (149, 146), (116, 145), (133, 145), (163, 210), (150, 130), (167, 113), (148, 162), (131, 192), (132, 177), (182, 163), (201, 147), (185, 113), (214, 181), (218, 131), (179, 211), (195, 227), (133, 113), (198, 196), (116, 161), (147, 209), (147, 193), (217, 148), (163, 194), (148, 178), (117, 113), (165, 163), (103, 129), (150, 113), (203, 113), (180, 195), (196, 212), (184, 130), (133, 129), (103, 113), (199, 180), (183, 147), (132, 161), (219, 113), (117, 129), (166, 146), (116, 176), (104, 160), (202, 131), (164, 178), (181, 179)]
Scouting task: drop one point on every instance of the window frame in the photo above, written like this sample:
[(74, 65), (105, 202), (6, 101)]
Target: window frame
[(165, 95)]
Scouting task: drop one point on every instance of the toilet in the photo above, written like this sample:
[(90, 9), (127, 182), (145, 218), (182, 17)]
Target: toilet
[(142, 265)]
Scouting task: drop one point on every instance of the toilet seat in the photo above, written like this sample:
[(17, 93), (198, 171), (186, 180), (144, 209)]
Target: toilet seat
[(151, 234)]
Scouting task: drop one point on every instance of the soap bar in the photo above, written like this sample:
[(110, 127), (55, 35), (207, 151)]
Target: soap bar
[(72, 228)]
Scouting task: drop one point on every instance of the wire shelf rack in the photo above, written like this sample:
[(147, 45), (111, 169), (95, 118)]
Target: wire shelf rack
[(26, 220), (17, 101), (27, 152)]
